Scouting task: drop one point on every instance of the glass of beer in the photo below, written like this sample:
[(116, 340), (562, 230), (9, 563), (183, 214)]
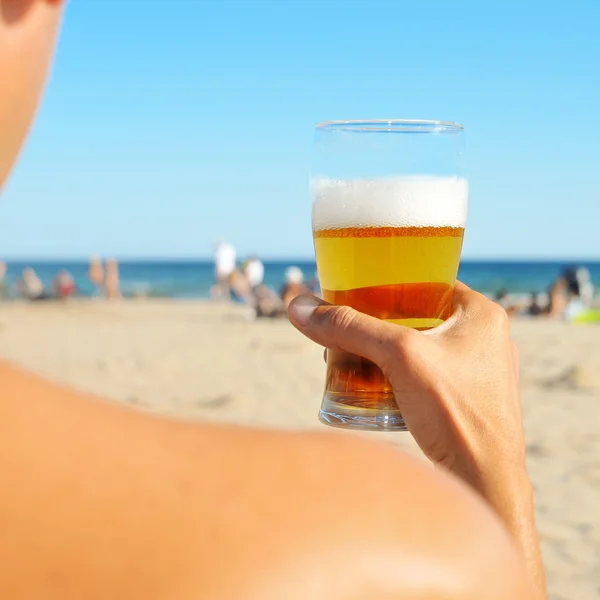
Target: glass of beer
[(389, 203)]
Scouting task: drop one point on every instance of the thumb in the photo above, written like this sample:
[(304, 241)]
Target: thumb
[(343, 328)]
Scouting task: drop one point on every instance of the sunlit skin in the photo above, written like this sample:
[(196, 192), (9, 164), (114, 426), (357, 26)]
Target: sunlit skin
[(103, 502)]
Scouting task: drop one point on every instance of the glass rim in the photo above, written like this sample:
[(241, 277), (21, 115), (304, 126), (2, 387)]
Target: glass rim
[(391, 126)]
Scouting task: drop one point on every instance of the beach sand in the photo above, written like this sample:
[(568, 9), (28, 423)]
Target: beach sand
[(200, 360)]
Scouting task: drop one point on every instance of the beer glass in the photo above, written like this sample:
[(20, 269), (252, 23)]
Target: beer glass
[(389, 203)]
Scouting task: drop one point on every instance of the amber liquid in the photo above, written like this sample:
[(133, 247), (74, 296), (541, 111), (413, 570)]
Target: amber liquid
[(404, 275)]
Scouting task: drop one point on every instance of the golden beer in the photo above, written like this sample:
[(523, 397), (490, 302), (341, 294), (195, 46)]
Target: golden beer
[(402, 273)]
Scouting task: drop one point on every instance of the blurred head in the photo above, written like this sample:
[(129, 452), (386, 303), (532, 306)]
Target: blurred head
[(293, 275), (2, 270), (27, 32), (64, 276)]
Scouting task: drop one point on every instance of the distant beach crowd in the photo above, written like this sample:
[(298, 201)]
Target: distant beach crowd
[(244, 283), (103, 277), (569, 297)]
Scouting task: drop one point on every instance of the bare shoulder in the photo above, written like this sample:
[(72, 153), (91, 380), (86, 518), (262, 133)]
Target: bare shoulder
[(277, 515), (335, 516)]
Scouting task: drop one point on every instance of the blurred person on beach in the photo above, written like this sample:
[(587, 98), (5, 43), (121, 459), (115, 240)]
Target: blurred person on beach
[(225, 264), (2, 280), (96, 275), (64, 285), (580, 289), (268, 303), (254, 271), (239, 287), (100, 501), (502, 297), (534, 309), (569, 274), (586, 287), (112, 290), (30, 286), (314, 285), (293, 285), (571, 294), (260, 298)]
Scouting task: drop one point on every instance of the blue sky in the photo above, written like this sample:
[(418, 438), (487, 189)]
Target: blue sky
[(169, 124)]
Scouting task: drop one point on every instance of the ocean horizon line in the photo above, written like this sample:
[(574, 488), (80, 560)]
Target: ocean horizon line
[(280, 259), (194, 276)]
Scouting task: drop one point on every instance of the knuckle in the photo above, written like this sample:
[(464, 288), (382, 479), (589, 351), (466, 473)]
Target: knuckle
[(403, 343), (342, 317), (472, 300), (496, 315), (405, 338), (404, 350)]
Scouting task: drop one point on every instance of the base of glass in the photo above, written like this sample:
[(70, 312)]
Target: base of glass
[(346, 416)]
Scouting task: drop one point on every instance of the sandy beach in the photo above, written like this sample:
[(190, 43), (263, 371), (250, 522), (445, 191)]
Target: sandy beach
[(200, 360)]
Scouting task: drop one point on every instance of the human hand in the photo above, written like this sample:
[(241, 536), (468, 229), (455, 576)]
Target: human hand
[(456, 385)]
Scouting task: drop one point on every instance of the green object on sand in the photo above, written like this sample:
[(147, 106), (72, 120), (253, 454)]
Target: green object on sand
[(591, 315)]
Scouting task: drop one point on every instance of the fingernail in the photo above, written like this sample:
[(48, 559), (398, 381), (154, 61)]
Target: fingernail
[(302, 308)]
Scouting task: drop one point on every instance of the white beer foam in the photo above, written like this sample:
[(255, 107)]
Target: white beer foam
[(394, 202)]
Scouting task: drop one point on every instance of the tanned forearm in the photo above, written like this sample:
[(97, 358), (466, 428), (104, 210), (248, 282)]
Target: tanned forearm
[(514, 505), (504, 484)]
